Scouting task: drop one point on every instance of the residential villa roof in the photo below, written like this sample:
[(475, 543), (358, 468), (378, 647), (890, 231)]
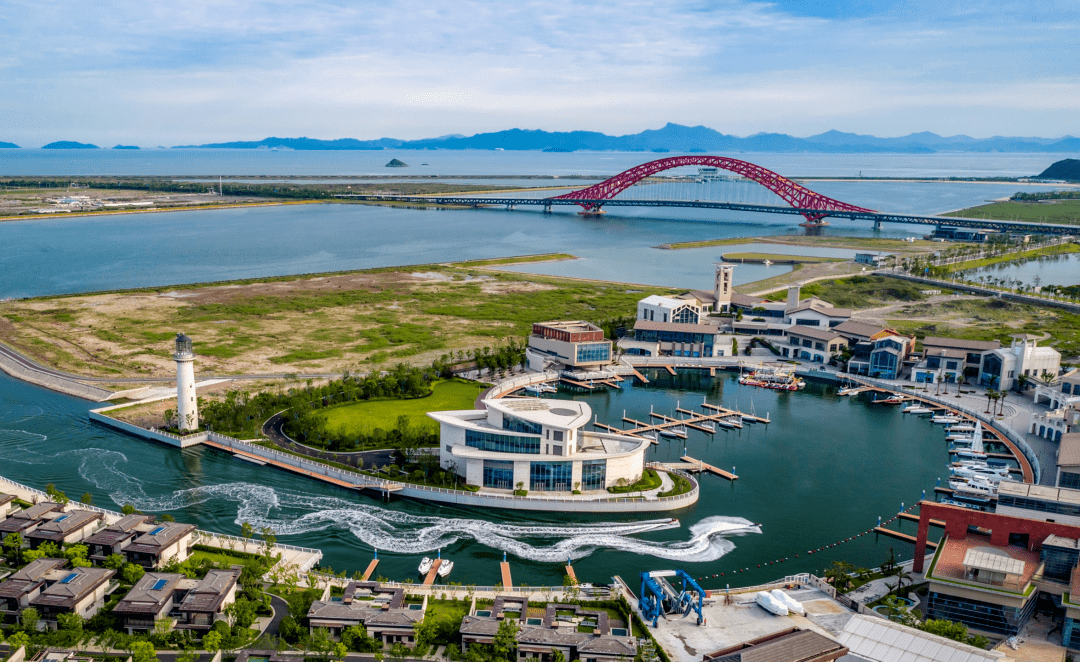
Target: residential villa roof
[(59, 528), (1069, 450), (824, 307), (950, 353), (960, 343), (703, 296), (814, 332), (859, 329), (880, 640), (794, 645), (360, 602), (119, 531), (208, 594), (160, 538), (150, 594), (571, 326), (676, 327), (746, 299), (20, 520), (23, 581), (6, 498), (69, 591)]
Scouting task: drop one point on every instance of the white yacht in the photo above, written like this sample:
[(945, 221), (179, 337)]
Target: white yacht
[(963, 427), (675, 433), (445, 567), (425, 565), (793, 605), (771, 604), (918, 408), (945, 419), (977, 486)]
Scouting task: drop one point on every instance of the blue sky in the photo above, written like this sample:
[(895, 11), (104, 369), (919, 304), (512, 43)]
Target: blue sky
[(172, 73)]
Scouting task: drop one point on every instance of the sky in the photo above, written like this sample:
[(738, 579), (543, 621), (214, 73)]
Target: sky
[(188, 72)]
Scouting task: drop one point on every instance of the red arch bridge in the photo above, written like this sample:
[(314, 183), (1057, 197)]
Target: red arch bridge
[(798, 199)]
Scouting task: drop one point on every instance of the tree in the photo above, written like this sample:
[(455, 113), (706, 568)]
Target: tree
[(211, 641), (168, 416), (56, 495), (87, 498), (558, 656), (132, 573), (398, 652), (505, 640), (18, 640), (114, 561), (69, 622), (28, 619), (247, 530), (13, 542), (143, 651), (128, 509), (241, 613)]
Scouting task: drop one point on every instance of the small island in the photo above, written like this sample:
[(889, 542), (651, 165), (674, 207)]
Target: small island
[(1067, 169), (69, 144), (4, 145), (126, 147), (395, 163)]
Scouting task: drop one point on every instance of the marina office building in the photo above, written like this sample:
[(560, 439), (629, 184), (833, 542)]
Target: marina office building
[(539, 444), (567, 345)]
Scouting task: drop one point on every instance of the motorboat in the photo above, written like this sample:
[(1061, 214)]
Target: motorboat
[(945, 419), (770, 604), (425, 565), (983, 467), (445, 567), (776, 379), (971, 472), (978, 486), (849, 390), (893, 399), (793, 605), (674, 433), (918, 408), (968, 454)]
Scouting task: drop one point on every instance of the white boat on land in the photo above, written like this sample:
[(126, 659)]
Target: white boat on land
[(917, 409), (793, 605), (675, 433), (770, 604), (425, 565), (945, 420), (445, 567)]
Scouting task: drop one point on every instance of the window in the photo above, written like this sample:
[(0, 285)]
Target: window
[(589, 352), (685, 315), (501, 443), (498, 474), (557, 435), (550, 476), (1069, 480), (516, 424), (556, 450), (805, 322), (593, 474)]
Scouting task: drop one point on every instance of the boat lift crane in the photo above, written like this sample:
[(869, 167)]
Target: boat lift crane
[(659, 597)]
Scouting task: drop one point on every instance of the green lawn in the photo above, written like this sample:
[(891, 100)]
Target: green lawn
[(859, 291), (778, 257), (364, 416), (1065, 212)]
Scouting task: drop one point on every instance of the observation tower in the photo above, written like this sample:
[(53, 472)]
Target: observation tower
[(187, 408)]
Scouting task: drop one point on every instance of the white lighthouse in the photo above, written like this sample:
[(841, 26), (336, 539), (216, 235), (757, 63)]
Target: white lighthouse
[(187, 408)]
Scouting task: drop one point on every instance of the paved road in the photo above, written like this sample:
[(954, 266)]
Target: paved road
[(375, 458)]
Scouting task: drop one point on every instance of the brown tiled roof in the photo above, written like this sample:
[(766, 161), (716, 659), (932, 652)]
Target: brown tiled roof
[(814, 332), (791, 646), (6, 498), (68, 594), (66, 524), (143, 598), (745, 299), (155, 543), (209, 593), (704, 296), (823, 307), (959, 343), (23, 581), (858, 328)]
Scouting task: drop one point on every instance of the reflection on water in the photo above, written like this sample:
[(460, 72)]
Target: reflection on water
[(1046, 270)]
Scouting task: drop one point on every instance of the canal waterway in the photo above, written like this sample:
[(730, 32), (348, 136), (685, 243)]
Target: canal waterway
[(1048, 270), (822, 471)]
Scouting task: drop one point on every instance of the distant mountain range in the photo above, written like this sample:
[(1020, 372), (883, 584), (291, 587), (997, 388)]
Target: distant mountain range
[(676, 138), (69, 144), (4, 145)]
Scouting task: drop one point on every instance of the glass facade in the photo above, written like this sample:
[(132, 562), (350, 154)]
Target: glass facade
[(1070, 480), (521, 425), (1039, 505), (501, 443), (499, 474), (980, 615), (600, 351), (593, 474), (1059, 561), (884, 364), (685, 315), (550, 476)]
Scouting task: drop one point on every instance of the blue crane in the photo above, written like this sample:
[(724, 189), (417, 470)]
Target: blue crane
[(658, 596)]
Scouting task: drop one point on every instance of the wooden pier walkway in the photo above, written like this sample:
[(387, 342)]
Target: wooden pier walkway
[(574, 382), (915, 518), (670, 369), (713, 417), (902, 536), (644, 380), (732, 412), (507, 582), (710, 468), (614, 430), (370, 570), (570, 572), (687, 423), (433, 573)]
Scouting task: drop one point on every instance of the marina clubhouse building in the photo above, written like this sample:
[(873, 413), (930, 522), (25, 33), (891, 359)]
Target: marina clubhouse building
[(536, 445)]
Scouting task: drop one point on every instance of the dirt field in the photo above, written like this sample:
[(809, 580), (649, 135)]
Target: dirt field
[(329, 323)]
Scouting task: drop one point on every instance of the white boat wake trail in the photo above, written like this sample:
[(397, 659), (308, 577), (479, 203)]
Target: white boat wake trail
[(289, 513)]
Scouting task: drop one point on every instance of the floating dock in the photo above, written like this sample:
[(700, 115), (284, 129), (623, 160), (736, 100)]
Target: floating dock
[(429, 579), (370, 570), (902, 536), (915, 518), (507, 582), (571, 573), (640, 376), (708, 467)]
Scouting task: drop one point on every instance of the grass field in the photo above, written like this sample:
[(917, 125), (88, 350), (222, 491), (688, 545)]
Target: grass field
[(318, 323), (520, 259), (363, 417), (775, 257), (854, 243), (1062, 249), (1065, 212), (860, 291)]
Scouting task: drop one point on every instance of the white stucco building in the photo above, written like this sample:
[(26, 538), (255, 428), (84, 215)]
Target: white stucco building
[(540, 444)]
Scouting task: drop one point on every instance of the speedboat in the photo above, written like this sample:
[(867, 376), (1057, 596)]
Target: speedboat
[(848, 390), (770, 604), (425, 565), (977, 486), (893, 399), (445, 567), (793, 605)]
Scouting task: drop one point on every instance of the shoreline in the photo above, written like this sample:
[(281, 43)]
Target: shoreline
[(241, 205)]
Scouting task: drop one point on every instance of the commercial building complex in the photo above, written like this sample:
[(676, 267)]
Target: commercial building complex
[(567, 345), (538, 444)]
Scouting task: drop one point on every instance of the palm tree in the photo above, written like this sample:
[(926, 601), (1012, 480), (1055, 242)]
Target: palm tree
[(1001, 400), (990, 395)]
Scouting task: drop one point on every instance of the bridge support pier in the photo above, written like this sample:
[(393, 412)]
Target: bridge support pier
[(877, 223), (509, 207), (547, 209)]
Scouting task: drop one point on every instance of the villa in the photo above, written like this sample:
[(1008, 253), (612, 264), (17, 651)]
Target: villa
[(381, 610), (66, 528), (165, 542), (115, 537), (27, 520), (812, 344), (151, 599), (762, 317), (24, 585), (202, 602), (7, 502), (539, 445), (80, 591)]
